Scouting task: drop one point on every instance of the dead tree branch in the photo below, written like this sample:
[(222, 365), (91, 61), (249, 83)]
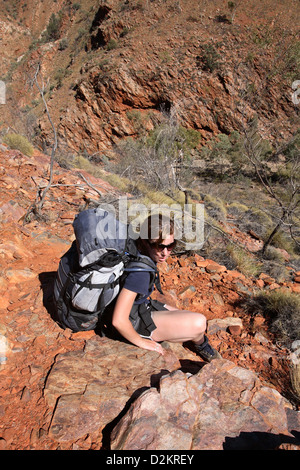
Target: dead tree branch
[(90, 184), (37, 206), (288, 201)]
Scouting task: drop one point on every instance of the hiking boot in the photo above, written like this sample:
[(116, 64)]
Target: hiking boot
[(206, 351)]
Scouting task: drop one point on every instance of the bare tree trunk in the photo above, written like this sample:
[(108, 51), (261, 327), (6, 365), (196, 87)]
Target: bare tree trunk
[(37, 206), (273, 233), (287, 205), (294, 366)]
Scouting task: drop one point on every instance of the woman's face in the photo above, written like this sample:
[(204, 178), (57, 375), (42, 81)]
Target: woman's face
[(159, 251)]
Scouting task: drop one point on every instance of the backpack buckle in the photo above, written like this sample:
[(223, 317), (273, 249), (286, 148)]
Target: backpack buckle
[(125, 258), (88, 282)]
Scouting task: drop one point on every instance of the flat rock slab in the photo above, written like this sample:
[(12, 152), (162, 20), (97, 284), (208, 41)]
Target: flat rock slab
[(88, 389), (223, 406)]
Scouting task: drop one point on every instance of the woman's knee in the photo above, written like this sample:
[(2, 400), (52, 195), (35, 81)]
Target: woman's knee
[(199, 323)]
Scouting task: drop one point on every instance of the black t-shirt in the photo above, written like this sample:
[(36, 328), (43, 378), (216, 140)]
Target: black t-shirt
[(139, 282)]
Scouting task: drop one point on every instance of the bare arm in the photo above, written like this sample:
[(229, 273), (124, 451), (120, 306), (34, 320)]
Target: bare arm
[(121, 322)]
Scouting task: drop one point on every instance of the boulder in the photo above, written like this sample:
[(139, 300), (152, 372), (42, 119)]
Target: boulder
[(90, 388), (223, 406), (224, 324)]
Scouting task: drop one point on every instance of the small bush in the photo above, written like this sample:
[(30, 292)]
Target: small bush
[(63, 44), (273, 254), (112, 44), (282, 309), (158, 197), (256, 220), (237, 210), (19, 142), (160, 158), (52, 32), (118, 182), (79, 161), (215, 207), (276, 270), (243, 261), (281, 240), (208, 59), (233, 257)]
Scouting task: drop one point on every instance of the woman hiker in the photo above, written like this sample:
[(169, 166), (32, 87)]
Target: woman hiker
[(145, 322)]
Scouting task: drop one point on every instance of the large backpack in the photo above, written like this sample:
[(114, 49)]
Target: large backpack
[(91, 271)]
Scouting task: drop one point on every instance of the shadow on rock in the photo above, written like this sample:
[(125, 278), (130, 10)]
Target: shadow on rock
[(47, 280), (260, 441)]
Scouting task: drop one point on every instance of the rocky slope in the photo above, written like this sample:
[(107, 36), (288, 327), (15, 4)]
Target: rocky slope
[(113, 63), (111, 68), (64, 390)]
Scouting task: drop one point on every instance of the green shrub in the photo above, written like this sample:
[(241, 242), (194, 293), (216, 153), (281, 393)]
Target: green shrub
[(277, 270), (215, 207), (292, 61), (52, 32), (146, 158), (63, 44), (233, 257), (282, 309), (281, 240), (256, 220), (112, 44), (19, 142), (208, 59), (237, 209), (190, 137), (273, 254), (243, 261)]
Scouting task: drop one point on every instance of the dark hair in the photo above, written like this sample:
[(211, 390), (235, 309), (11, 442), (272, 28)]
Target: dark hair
[(157, 227)]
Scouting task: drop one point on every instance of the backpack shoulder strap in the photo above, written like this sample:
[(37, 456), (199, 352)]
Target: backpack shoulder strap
[(144, 263)]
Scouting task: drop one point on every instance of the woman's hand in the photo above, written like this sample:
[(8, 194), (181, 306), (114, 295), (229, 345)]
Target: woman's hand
[(151, 345), (121, 322)]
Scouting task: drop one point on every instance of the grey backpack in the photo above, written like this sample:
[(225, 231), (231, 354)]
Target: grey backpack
[(90, 273)]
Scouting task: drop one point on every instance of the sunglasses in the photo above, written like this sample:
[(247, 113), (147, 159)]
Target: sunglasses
[(161, 246)]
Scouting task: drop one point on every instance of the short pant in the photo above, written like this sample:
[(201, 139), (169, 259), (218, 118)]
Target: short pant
[(141, 316)]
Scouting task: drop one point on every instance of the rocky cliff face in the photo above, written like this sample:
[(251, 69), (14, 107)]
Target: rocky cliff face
[(113, 62), (64, 390), (113, 65)]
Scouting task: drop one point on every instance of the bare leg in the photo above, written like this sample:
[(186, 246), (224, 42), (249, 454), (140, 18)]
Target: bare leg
[(170, 307), (178, 326)]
